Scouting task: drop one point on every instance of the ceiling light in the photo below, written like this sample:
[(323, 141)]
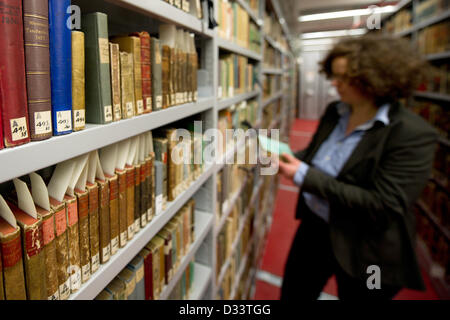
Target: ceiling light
[(346, 13), (334, 33)]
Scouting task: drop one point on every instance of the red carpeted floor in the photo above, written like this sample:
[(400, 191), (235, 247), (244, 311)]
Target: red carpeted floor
[(284, 227)]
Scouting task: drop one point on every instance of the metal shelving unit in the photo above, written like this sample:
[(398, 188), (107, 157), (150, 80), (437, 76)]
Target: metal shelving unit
[(57, 149)]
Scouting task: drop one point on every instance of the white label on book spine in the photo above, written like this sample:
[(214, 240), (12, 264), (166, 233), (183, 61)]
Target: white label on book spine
[(195, 96), (75, 280), (137, 225), (42, 122), (190, 96), (54, 296), (123, 238), (106, 252), (114, 245), (131, 231), (219, 92), (85, 272), (64, 120), (64, 290), (185, 94), (140, 106), (103, 46), (149, 103), (178, 3), (108, 114), (79, 118), (117, 112), (139, 274), (172, 99), (149, 214), (159, 101), (158, 204), (95, 262), (143, 220), (130, 108)]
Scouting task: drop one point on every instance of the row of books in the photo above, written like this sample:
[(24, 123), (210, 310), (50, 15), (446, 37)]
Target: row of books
[(236, 75), (272, 57), (193, 7), (235, 25), (271, 84), (145, 277), (435, 38), (55, 80), (436, 114), (272, 28), (230, 180), (400, 21), (436, 243), (92, 206), (429, 8)]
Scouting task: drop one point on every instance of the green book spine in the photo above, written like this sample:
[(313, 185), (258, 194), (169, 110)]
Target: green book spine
[(156, 74), (98, 83)]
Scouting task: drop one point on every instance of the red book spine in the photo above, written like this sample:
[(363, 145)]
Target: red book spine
[(13, 96)]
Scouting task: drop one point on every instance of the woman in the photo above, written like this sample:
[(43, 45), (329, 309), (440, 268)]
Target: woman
[(364, 168)]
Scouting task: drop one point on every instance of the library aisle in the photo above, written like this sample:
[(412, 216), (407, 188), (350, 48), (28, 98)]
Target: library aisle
[(270, 274)]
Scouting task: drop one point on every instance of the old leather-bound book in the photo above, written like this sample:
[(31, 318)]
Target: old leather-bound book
[(13, 93), (98, 77), (37, 66), (146, 69), (115, 81), (78, 81), (127, 84), (156, 72), (133, 45)]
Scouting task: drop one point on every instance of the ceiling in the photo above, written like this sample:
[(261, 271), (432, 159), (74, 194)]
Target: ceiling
[(292, 9)]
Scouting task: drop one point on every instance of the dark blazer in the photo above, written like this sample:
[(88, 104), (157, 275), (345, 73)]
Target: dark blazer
[(370, 200)]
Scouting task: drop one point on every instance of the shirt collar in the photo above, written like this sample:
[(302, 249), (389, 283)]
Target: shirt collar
[(382, 115)]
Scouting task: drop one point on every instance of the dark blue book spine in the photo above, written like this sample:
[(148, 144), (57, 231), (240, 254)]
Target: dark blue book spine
[(60, 65)]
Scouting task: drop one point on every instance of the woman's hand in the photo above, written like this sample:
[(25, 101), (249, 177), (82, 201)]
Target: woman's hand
[(288, 165)]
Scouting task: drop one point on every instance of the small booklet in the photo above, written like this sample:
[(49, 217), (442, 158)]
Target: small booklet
[(274, 146)]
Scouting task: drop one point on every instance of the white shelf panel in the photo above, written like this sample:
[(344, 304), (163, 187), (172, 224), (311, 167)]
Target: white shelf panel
[(230, 46), (109, 270), (16, 161), (227, 102), (202, 278), (167, 13), (203, 224), (273, 98)]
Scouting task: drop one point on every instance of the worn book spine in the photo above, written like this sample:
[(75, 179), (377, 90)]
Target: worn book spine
[(73, 241), (165, 75), (78, 81), (149, 187), (13, 95), (94, 239), (130, 201), (127, 85), (137, 198), (115, 81), (160, 145), (146, 70), (60, 66), (49, 252), (158, 187), (167, 237), (137, 266), (171, 166), (98, 76), (128, 277), (122, 181), (194, 76), (156, 70), (37, 66), (62, 250), (143, 194), (173, 72), (103, 221), (148, 284), (13, 273), (114, 213), (83, 227)]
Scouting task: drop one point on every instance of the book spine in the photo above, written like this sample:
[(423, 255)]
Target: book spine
[(146, 71), (13, 95), (137, 75), (147, 274), (127, 85), (115, 81), (165, 75), (60, 66), (137, 198), (149, 188), (130, 202), (49, 251), (13, 273), (34, 262), (62, 252), (37, 66), (98, 77), (104, 223), (156, 75), (78, 81), (114, 213), (140, 285), (94, 241), (122, 180), (144, 194), (83, 226), (73, 241), (153, 276)]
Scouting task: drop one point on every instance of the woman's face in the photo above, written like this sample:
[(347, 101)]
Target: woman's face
[(348, 93)]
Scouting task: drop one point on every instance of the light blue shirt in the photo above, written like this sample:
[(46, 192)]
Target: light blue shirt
[(334, 153)]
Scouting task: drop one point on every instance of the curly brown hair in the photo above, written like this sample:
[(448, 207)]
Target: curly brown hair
[(382, 67)]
